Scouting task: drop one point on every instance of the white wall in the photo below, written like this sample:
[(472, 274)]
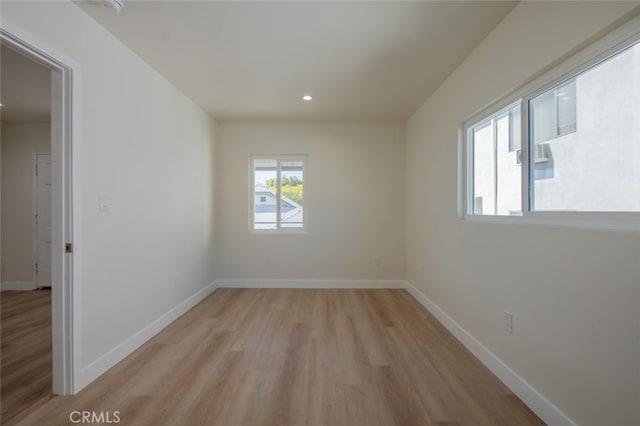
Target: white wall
[(151, 150), (573, 292), (354, 201), (20, 141)]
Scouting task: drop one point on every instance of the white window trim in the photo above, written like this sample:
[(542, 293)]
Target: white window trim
[(279, 157), (597, 52)]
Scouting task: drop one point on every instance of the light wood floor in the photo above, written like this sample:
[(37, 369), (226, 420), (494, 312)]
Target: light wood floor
[(25, 351), (299, 357)]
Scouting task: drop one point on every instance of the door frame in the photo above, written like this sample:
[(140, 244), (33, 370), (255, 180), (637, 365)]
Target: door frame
[(65, 206)]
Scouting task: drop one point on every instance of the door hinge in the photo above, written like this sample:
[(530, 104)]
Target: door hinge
[(68, 248), (36, 268)]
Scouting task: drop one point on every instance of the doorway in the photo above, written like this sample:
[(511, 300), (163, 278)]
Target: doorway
[(25, 150), (61, 271)]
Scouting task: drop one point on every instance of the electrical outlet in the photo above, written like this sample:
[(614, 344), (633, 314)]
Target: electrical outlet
[(508, 322), (268, 261), (377, 261)]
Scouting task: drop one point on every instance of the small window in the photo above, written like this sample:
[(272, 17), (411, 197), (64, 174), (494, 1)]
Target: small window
[(494, 161), (277, 193)]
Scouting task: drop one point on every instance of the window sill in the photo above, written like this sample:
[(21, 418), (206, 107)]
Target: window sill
[(614, 221), (279, 232)]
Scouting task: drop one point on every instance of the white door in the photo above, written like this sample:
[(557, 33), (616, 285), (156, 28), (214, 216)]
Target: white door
[(43, 220)]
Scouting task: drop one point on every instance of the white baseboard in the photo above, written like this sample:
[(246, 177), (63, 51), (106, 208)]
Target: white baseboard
[(17, 286), (548, 412), (306, 283), (117, 354)]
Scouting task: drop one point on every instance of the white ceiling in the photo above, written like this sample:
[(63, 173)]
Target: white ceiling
[(254, 60), (25, 91)]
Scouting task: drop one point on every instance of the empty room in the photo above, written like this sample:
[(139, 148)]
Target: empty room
[(320, 212)]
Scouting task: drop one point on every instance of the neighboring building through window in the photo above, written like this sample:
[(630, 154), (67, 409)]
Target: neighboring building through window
[(593, 165), (494, 160), (515, 134), (553, 113), (277, 193)]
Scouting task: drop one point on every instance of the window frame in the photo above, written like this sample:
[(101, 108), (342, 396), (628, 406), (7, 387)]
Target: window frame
[(278, 158), (598, 52)]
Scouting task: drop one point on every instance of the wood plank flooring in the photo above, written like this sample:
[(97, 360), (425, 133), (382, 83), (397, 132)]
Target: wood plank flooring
[(298, 357), (25, 351)]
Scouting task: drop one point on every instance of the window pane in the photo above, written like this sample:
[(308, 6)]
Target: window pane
[(292, 191), (264, 195), (484, 173), (508, 169), (496, 165), (594, 165)]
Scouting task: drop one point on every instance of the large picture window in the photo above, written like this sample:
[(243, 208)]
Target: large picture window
[(277, 193), (567, 144)]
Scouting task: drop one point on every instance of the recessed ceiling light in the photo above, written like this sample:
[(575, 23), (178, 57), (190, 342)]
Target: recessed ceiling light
[(307, 98)]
